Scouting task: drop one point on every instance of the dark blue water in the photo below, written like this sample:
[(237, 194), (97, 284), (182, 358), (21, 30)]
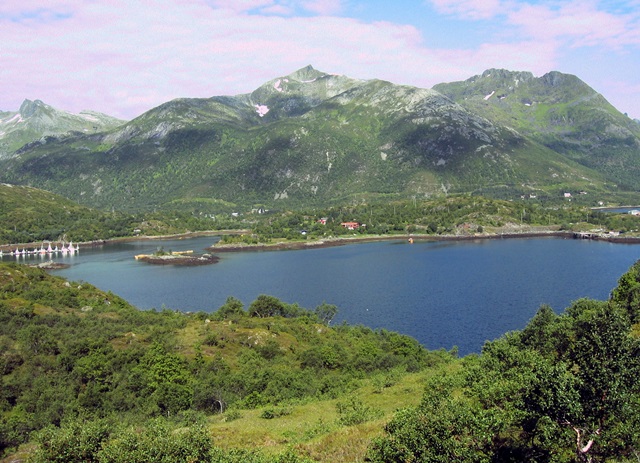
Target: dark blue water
[(441, 293)]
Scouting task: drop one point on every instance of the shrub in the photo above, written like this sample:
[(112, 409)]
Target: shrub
[(352, 411)]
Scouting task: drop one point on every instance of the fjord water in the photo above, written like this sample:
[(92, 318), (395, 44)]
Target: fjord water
[(458, 293)]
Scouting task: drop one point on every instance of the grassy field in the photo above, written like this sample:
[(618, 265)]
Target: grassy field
[(314, 429)]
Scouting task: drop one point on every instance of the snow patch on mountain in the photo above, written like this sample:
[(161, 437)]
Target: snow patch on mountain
[(262, 109), (89, 117), (17, 119)]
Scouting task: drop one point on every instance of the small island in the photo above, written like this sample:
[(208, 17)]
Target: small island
[(50, 265), (185, 258)]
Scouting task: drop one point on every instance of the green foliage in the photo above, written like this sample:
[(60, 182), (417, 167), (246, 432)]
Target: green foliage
[(627, 293), (230, 310), (325, 312), (271, 413), (352, 411), (445, 427), (62, 366), (74, 442), (157, 441), (29, 215), (266, 306), (563, 390), (462, 215)]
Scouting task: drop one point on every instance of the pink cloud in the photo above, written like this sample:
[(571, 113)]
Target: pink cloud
[(323, 7), (579, 22), (241, 5), (20, 7), (625, 96), (469, 9), (280, 10)]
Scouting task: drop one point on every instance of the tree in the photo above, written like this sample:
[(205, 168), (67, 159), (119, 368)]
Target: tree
[(75, 441), (444, 428), (232, 308), (564, 390), (266, 306), (165, 379), (606, 365), (38, 339), (325, 312), (627, 293)]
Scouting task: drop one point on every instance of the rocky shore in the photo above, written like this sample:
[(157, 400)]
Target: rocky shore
[(50, 265), (182, 260), (344, 240)]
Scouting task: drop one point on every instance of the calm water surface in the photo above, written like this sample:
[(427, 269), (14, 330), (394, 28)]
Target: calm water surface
[(441, 293)]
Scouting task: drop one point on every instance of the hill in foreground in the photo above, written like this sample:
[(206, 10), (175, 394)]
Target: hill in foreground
[(72, 353), (105, 382)]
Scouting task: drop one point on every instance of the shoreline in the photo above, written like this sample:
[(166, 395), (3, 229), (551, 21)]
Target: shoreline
[(126, 239), (335, 241), (343, 241)]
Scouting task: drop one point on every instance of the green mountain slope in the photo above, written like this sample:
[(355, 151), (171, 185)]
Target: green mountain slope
[(560, 112), (35, 121), (30, 215), (312, 138)]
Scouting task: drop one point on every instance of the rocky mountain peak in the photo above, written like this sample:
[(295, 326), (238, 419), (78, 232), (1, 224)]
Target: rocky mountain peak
[(505, 74), (306, 73), (28, 108)]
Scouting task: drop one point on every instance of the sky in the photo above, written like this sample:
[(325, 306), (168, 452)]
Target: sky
[(124, 57)]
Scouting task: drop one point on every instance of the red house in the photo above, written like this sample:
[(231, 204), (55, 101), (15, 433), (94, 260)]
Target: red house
[(350, 225)]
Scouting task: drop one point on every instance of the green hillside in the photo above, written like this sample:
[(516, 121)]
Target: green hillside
[(313, 138), (72, 354), (31, 215), (87, 377), (560, 112)]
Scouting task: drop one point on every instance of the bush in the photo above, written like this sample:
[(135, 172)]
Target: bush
[(232, 415), (353, 411), (271, 413)]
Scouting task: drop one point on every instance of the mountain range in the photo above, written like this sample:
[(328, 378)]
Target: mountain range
[(316, 138), (36, 120)]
